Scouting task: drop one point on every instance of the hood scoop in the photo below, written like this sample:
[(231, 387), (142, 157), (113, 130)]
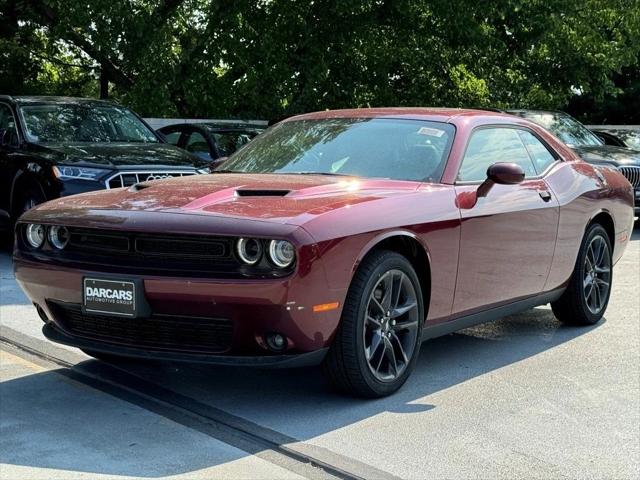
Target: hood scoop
[(138, 186), (261, 192)]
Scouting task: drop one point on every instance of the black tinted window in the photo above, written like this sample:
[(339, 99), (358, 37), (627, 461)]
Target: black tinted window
[(493, 145)]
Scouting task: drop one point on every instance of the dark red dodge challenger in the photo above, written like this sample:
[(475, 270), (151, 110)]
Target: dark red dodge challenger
[(343, 237)]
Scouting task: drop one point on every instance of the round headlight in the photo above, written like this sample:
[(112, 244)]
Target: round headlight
[(281, 253), (35, 235), (249, 250), (58, 236)]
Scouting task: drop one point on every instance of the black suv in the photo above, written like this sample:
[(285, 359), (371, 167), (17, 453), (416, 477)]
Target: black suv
[(588, 145), (56, 146)]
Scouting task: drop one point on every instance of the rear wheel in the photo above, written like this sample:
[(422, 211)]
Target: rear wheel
[(587, 295), (379, 336)]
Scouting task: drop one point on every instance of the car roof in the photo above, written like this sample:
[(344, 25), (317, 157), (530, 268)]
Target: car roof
[(40, 99), (414, 113)]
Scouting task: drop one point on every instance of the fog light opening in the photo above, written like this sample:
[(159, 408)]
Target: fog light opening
[(276, 342)]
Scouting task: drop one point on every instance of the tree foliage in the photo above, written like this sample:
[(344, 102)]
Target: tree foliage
[(268, 58)]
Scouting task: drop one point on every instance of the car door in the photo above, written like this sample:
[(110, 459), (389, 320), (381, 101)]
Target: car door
[(8, 163), (507, 237)]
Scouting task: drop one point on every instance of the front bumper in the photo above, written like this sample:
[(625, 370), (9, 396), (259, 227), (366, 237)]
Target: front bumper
[(253, 308), (308, 359)]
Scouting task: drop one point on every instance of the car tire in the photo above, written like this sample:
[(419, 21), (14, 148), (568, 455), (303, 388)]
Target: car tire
[(587, 295), (368, 337), (27, 199)]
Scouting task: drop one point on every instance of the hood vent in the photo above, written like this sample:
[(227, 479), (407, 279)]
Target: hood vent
[(261, 193), (138, 186)]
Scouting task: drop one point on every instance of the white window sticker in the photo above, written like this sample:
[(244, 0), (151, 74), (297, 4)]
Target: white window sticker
[(432, 132)]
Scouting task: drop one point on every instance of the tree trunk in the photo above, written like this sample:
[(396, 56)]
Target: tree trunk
[(104, 82)]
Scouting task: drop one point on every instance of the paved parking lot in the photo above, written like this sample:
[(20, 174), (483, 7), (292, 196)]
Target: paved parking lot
[(523, 397)]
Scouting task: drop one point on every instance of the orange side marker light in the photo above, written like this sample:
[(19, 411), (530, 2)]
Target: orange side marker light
[(325, 307)]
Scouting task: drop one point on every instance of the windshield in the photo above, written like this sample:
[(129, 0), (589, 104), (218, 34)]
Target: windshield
[(229, 142), (566, 128), (77, 122), (630, 138), (365, 147)]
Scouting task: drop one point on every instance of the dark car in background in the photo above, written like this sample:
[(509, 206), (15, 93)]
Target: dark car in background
[(619, 136), (587, 144), (58, 146), (210, 141)]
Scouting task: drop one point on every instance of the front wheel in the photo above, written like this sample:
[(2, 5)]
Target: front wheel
[(379, 336), (587, 295)]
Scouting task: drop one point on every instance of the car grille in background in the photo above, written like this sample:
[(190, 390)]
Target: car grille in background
[(632, 174), (158, 332), (126, 179)]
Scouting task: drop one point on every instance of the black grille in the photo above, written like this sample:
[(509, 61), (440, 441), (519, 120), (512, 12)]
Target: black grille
[(158, 332), (142, 253)]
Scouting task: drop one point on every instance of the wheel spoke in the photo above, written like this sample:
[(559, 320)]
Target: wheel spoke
[(602, 283), (599, 269), (400, 347), (378, 305), (410, 325), (382, 355), (401, 310), (391, 356), (376, 341), (374, 321)]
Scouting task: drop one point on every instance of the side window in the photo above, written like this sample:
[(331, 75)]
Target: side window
[(540, 154), (196, 143), (173, 137), (492, 145), (8, 133)]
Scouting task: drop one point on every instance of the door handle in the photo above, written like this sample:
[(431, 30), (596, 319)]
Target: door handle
[(545, 195)]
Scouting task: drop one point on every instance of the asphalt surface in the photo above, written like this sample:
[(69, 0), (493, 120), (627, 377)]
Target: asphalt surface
[(519, 398)]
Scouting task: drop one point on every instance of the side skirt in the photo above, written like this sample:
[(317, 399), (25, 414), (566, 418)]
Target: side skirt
[(490, 315)]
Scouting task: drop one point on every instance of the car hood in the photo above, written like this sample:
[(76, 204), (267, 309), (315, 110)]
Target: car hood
[(285, 199), (609, 154), (113, 155)]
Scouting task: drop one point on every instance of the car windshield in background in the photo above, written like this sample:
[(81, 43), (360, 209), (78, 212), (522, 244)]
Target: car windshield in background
[(566, 128), (630, 138), (229, 142), (90, 123), (365, 147)]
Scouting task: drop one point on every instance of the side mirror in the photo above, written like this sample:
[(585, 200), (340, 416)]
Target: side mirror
[(505, 173), (502, 174)]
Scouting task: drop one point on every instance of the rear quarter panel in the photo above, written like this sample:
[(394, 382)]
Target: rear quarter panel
[(582, 194)]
